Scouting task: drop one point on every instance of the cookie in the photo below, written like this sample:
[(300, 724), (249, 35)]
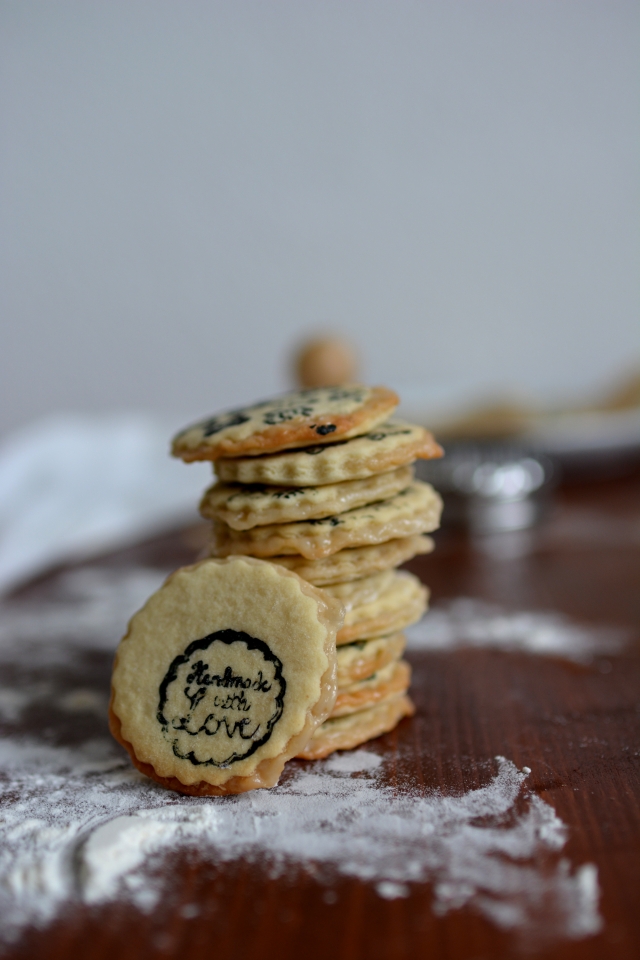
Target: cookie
[(345, 733), (244, 507), (357, 563), (414, 510), (298, 419), (387, 683), (359, 660), (353, 593), (392, 444), (402, 603), (223, 675)]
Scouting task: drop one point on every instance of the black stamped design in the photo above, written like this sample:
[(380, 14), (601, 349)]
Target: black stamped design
[(221, 699), (222, 422)]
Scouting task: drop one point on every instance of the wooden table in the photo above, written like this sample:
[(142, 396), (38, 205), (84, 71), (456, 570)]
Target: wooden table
[(575, 726)]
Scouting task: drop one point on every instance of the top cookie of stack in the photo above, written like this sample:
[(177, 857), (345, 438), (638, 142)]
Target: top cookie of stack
[(293, 420), (321, 482)]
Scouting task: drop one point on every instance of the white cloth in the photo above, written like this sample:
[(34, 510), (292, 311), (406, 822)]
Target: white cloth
[(72, 486)]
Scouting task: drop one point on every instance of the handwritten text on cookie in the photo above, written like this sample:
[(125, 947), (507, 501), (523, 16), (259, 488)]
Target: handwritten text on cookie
[(220, 699)]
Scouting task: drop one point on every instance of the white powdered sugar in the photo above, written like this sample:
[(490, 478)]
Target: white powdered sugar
[(86, 827), (467, 622), (79, 825)]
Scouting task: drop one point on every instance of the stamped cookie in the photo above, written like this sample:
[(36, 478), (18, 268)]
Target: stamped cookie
[(402, 603), (357, 563), (412, 511), (387, 683), (359, 660), (345, 733), (243, 507), (223, 675), (298, 419), (392, 444)]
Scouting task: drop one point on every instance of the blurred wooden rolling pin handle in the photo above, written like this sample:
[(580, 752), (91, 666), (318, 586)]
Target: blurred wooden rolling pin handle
[(325, 362)]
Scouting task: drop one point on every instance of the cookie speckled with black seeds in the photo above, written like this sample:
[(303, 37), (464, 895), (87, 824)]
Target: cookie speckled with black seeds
[(243, 507), (414, 510), (224, 675), (293, 420), (391, 444)]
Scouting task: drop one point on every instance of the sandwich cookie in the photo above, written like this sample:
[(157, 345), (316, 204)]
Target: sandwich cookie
[(360, 660), (400, 604), (357, 563), (225, 674), (318, 416), (392, 444), (413, 511), (387, 683), (345, 733), (242, 507)]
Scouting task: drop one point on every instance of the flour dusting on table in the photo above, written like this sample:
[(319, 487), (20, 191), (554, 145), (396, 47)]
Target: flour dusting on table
[(466, 622), (85, 826), (79, 825)]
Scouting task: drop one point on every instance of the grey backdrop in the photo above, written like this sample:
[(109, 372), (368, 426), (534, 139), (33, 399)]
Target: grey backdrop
[(189, 187)]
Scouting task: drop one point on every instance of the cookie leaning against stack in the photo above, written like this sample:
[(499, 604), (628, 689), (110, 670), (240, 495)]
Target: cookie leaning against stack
[(209, 695), (321, 482)]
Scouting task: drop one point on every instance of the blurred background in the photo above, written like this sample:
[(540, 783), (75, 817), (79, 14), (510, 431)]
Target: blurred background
[(191, 190)]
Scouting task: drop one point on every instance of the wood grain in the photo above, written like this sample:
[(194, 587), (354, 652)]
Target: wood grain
[(577, 728)]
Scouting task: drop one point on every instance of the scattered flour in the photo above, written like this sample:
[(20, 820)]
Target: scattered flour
[(79, 825), (467, 622), (355, 761), (92, 608), (392, 891), (87, 827)]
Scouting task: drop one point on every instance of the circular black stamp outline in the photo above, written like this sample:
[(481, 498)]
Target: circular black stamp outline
[(228, 637)]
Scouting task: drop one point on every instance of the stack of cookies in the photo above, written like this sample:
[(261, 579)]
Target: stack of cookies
[(321, 482)]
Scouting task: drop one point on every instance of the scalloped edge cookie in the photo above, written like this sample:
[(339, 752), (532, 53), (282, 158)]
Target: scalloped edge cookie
[(362, 658), (393, 443), (317, 416), (208, 598), (401, 604), (345, 733), (354, 593), (357, 563), (364, 694), (243, 506), (414, 510)]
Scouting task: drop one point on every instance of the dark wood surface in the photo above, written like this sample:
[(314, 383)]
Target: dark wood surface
[(575, 726)]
